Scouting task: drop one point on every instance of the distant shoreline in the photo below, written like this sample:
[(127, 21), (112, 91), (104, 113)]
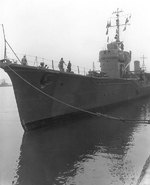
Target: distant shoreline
[(8, 85)]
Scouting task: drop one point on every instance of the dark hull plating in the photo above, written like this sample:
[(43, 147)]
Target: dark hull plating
[(79, 91)]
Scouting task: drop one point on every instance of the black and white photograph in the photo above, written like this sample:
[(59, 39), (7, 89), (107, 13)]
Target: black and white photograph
[(74, 92)]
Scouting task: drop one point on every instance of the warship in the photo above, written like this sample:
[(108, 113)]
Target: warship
[(3, 83), (46, 94)]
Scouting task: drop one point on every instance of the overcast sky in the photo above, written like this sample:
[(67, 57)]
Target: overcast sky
[(72, 29)]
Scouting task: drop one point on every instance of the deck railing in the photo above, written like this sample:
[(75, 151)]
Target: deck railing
[(51, 64)]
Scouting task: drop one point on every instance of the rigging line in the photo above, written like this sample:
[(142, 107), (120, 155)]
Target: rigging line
[(5, 41), (77, 108), (13, 51), (144, 171)]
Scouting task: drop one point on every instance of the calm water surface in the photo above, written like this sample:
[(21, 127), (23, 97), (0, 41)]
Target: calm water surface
[(85, 151)]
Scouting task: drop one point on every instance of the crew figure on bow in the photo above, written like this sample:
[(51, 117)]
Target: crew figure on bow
[(24, 60), (69, 67), (61, 65)]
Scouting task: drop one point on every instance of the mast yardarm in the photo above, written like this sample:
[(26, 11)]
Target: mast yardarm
[(117, 36), (117, 25)]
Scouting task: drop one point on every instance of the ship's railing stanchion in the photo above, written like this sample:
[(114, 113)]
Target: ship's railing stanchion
[(36, 61), (52, 64), (84, 71), (78, 70)]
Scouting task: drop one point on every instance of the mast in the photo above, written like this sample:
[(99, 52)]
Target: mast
[(117, 36), (118, 25)]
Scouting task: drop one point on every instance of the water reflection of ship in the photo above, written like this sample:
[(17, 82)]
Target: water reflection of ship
[(51, 156)]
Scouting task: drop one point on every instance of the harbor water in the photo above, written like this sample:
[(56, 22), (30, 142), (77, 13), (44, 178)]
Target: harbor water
[(79, 151)]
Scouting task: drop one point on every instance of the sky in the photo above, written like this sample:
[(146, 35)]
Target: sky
[(72, 29)]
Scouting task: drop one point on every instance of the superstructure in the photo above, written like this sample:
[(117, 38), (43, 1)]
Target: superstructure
[(42, 93)]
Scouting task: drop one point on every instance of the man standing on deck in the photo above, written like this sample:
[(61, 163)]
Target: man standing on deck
[(24, 60), (61, 65), (69, 67)]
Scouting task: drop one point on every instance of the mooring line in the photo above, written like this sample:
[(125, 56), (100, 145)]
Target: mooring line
[(144, 172), (145, 121)]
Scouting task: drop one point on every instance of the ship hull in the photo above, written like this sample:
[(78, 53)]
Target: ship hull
[(47, 94)]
